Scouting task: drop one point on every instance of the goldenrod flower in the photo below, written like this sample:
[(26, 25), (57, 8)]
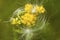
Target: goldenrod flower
[(28, 19), (28, 7)]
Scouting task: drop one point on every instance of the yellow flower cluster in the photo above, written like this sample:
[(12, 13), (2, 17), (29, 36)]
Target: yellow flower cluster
[(15, 21), (28, 7), (28, 18), (38, 9)]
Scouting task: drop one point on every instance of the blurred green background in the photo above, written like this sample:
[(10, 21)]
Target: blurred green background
[(51, 32)]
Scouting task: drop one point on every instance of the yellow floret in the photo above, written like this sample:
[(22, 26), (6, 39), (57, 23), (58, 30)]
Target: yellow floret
[(28, 7), (42, 9)]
